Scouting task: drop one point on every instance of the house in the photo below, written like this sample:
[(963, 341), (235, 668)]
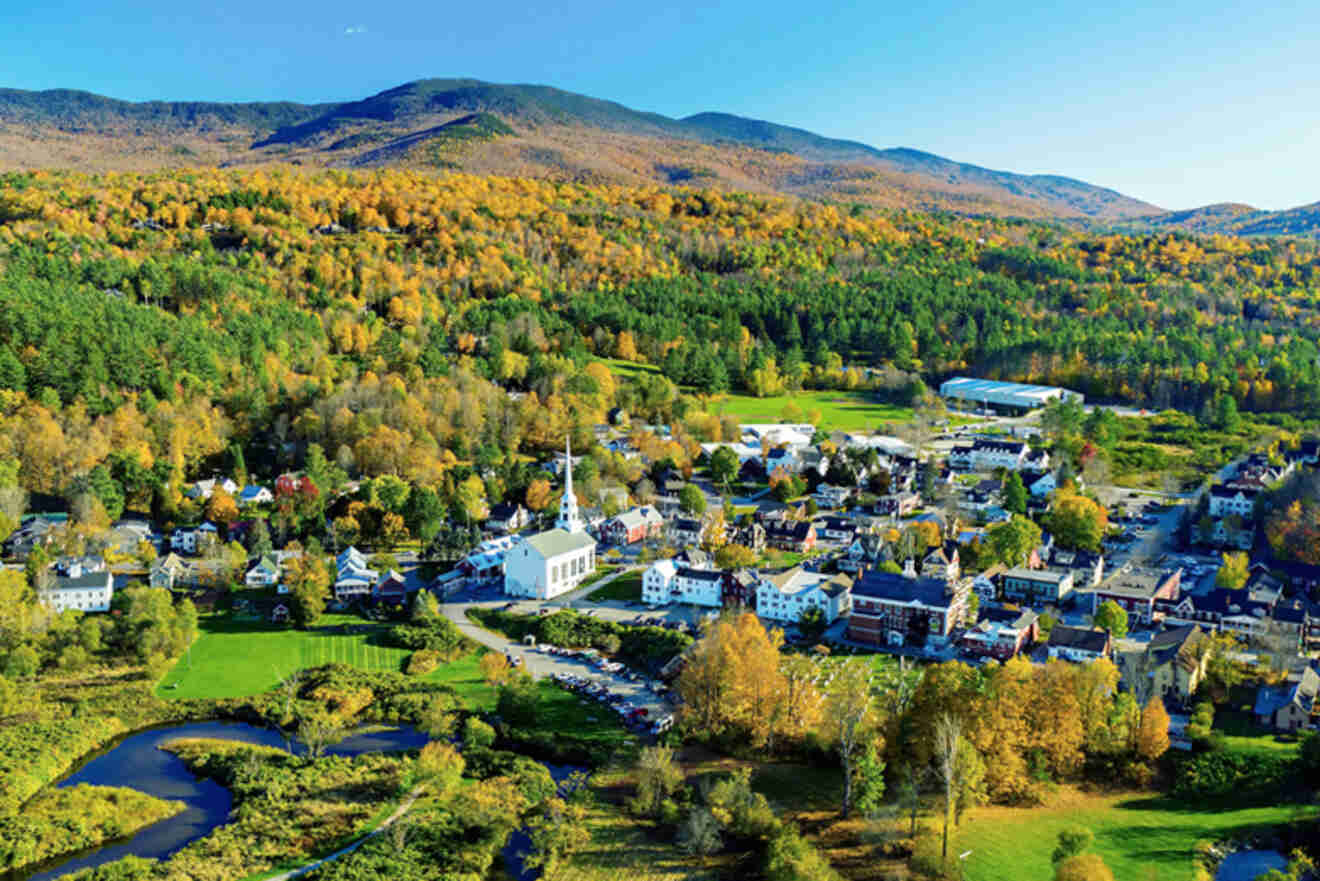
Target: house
[(1087, 567), (551, 563), (634, 526), (193, 539), (1080, 644), (986, 584), (750, 535), (1001, 633), (667, 581), (1170, 666), (791, 535), (893, 610), (1039, 483), (1293, 706), (986, 454), (686, 531), (170, 571), (486, 560), (897, 504), (784, 596), (507, 517), (1137, 589), (1226, 502), (32, 533), (829, 496), (255, 495), (353, 578), (942, 563), (85, 585), (836, 529), (864, 552), (740, 589), (1036, 587), (390, 589), (266, 573), (204, 489)]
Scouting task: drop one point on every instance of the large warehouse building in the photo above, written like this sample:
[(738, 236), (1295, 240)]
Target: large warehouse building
[(966, 392)]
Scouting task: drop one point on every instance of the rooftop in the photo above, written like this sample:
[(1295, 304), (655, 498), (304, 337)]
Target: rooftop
[(555, 542)]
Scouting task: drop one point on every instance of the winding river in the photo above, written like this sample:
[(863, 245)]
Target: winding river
[(138, 762)]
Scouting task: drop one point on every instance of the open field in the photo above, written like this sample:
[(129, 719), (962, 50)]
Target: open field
[(628, 368), (1135, 833), (235, 658), (625, 587), (839, 410)]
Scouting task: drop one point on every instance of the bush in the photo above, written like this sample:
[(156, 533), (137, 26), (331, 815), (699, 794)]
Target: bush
[(422, 662), (1083, 867), (436, 634), (699, 833), (790, 857), (477, 734), (1222, 774), (928, 860)]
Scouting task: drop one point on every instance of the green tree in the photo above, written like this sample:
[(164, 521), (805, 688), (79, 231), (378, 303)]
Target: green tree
[(658, 780), (1233, 571), (723, 466), (1076, 521), (1072, 841), (308, 580), (1113, 618), (692, 500), (812, 623), (1015, 494), (1012, 542)]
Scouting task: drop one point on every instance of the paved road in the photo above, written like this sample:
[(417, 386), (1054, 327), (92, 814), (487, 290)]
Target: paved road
[(540, 664)]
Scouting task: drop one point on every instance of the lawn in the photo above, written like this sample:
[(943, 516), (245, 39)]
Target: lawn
[(626, 587), (1242, 734), (839, 410), (237, 658), (1133, 833), (628, 368)]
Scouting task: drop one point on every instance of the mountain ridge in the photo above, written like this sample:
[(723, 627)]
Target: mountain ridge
[(555, 134)]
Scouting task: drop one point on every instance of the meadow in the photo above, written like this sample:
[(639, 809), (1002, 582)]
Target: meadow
[(236, 658), (839, 410), (1137, 834)]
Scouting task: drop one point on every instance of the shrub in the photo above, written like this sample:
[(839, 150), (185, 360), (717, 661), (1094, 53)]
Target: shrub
[(1072, 841), (928, 860), (422, 662), (1083, 867), (477, 734), (790, 857), (699, 833)]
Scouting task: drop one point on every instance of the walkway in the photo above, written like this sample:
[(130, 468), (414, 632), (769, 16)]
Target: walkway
[(389, 821)]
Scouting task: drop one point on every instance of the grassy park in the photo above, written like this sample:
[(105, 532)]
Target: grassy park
[(626, 587), (839, 410)]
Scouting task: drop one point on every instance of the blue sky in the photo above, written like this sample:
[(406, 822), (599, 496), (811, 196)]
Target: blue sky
[(1176, 103)]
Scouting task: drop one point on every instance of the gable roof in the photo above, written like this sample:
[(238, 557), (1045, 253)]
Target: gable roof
[(555, 542), (1080, 638)]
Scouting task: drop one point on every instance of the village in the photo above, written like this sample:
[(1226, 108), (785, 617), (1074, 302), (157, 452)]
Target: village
[(851, 542)]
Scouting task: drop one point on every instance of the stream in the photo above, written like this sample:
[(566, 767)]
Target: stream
[(138, 762)]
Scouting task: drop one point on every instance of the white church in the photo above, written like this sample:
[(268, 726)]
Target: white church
[(548, 564)]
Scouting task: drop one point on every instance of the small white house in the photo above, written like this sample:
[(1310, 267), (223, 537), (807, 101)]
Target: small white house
[(265, 574), (255, 495), (193, 539), (80, 588), (667, 582)]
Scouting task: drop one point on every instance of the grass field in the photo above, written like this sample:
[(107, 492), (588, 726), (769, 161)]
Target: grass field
[(625, 587), (839, 410), (234, 658), (1139, 836)]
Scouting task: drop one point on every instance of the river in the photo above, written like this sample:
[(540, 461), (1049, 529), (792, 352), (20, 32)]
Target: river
[(139, 763)]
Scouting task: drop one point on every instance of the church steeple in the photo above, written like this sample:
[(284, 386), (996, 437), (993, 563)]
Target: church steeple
[(569, 519)]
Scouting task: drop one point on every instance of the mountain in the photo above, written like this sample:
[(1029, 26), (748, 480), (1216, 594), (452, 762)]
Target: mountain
[(527, 130), (1230, 218)]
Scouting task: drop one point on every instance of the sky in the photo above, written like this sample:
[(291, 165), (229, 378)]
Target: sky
[(1177, 103)]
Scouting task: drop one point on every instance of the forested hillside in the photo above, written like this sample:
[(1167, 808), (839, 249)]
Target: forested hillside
[(149, 322)]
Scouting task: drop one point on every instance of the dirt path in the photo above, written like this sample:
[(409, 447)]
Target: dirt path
[(343, 851)]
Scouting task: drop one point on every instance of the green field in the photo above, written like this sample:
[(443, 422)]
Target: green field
[(1133, 833), (236, 658), (839, 410), (626, 587)]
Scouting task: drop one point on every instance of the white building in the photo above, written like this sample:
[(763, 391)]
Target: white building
[(191, 540), (551, 563), (985, 454), (784, 596), (668, 582), (1225, 502), (80, 587), (993, 393)]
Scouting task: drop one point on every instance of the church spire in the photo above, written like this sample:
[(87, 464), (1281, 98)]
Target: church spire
[(569, 519)]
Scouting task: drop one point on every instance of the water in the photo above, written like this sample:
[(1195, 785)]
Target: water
[(519, 845), (1247, 865), (138, 762)]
